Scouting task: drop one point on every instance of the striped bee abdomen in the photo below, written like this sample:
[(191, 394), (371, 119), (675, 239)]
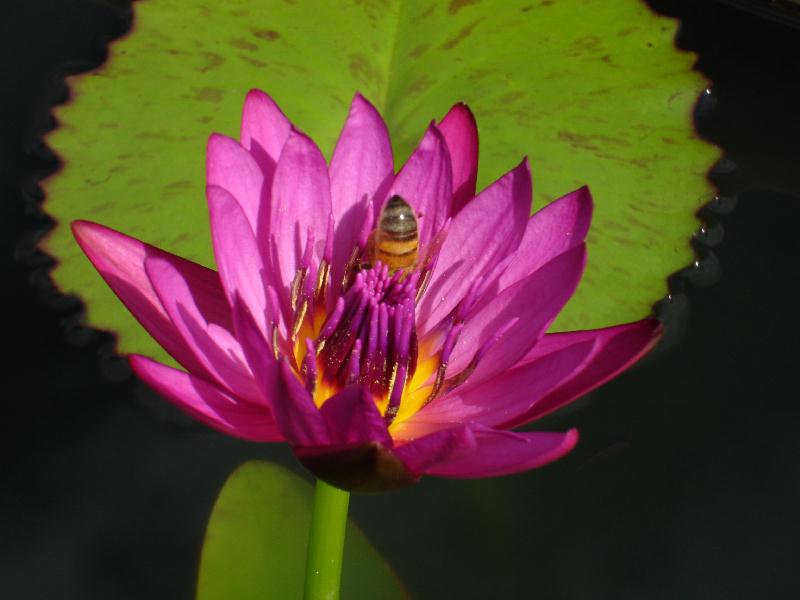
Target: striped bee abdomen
[(396, 240)]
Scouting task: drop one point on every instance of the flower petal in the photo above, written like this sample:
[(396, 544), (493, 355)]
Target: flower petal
[(353, 418), (512, 393), (301, 201), (615, 349), (556, 228), (362, 165), (120, 261), (293, 408), (498, 453), (460, 131), (419, 454), (488, 229), (233, 168), (208, 403), (530, 304), (264, 131), (425, 182), (226, 363), (239, 261)]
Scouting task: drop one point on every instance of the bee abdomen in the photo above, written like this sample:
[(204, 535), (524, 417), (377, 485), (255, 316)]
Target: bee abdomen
[(396, 239), (397, 219), (394, 247)]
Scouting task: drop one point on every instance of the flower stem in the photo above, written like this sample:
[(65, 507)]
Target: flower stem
[(326, 543)]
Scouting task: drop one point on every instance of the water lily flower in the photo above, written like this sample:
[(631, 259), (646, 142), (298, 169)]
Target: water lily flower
[(374, 376)]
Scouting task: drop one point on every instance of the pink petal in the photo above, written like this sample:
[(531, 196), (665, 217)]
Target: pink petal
[(239, 261), (512, 393), (533, 302), (233, 168), (615, 349), (120, 261), (486, 231), (460, 131), (498, 453), (362, 164), (354, 419), (301, 200), (293, 408), (419, 454), (264, 131), (556, 228), (225, 363), (425, 182), (207, 403)]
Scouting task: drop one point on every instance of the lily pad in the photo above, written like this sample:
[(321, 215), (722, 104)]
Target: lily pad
[(255, 546), (593, 91)]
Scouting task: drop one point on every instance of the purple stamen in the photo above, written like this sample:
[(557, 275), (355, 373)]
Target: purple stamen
[(469, 300), (333, 320), (308, 254), (354, 364), (380, 375), (403, 336), (309, 370), (370, 373), (450, 343), (327, 255), (369, 336)]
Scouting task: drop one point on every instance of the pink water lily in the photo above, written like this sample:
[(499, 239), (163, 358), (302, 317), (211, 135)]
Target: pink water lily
[(374, 378)]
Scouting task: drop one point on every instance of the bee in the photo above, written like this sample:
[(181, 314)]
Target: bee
[(395, 241)]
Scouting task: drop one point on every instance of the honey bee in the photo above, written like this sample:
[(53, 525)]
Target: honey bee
[(395, 241)]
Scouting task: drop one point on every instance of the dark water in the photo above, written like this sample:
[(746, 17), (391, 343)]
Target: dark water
[(686, 483)]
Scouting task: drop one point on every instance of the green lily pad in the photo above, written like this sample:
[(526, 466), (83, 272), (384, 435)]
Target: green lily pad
[(593, 91), (255, 546)]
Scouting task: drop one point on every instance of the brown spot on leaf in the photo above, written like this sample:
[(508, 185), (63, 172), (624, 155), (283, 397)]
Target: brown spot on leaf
[(208, 94), (253, 61), (362, 68), (212, 61), (457, 5), (589, 142), (511, 97), (476, 75), (628, 30), (584, 45), (420, 84), (266, 34), (460, 36), (179, 185), (419, 50), (526, 8), (243, 44)]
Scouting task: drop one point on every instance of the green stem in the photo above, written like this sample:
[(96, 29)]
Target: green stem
[(326, 543)]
